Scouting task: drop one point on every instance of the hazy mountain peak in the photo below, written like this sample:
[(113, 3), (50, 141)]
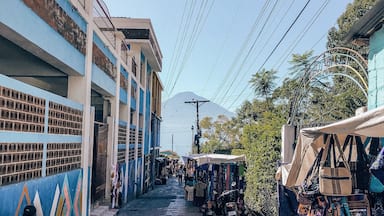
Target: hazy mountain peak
[(178, 118)]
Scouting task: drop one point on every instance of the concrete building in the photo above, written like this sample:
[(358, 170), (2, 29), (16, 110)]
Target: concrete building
[(80, 100)]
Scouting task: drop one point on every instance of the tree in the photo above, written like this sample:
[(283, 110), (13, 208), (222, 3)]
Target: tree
[(221, 134), (263, 82), (261, 141)]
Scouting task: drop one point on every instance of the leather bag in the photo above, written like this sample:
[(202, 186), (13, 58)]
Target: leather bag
[(334, 175)]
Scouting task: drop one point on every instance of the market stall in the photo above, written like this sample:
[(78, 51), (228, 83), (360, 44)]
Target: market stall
[(214, 175), (351, 142)]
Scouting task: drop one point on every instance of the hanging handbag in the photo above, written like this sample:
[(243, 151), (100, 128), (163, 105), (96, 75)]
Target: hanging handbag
[(375, 185), (309, 189), (360, 166), (334, 175)]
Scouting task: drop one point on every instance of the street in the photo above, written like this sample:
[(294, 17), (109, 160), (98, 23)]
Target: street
[(163, 200)]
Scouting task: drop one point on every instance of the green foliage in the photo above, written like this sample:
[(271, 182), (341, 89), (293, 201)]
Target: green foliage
[(262, 144), (263, 82), (221, 134)]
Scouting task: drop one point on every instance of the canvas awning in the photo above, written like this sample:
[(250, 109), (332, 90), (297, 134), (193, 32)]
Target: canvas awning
[(214, 158), (310, 140)]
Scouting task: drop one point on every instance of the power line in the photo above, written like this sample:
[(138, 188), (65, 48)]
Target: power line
[(168, 75), (245, 43), (285, 34), (277, 45), (181, 45), (220, 50), (192, 40), (250, 50)]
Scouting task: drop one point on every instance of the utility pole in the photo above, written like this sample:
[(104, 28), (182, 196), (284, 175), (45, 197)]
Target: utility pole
[(198, 131), (172, 143)]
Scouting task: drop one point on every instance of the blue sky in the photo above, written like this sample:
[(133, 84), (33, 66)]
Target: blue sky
[(212, 47)]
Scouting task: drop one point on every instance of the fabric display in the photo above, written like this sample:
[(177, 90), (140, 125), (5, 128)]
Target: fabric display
[(377, 168)]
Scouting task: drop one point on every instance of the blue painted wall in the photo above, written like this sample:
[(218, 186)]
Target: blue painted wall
[(123, 96), (131, 179), (376, 70), (124, 72), (66, 186), (74, 14), (141, 101), (52, 42), (139, 175), (101, 79), (14, 197), (147, 118), (133, 100)]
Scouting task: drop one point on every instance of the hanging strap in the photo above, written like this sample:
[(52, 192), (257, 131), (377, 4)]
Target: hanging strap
[(361, 154), (348, 142), (315, 164), (326, 150), (341, 152)]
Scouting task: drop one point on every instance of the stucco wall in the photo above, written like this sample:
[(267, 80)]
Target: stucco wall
[(376, 70)]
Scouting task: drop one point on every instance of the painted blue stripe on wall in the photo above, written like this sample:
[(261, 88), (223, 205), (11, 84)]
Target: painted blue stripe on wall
[(123, 123), (141, 103), (121, 146), (132, 126), (133, 103), (101, 79), (28, 89), (14, 137), (131, 146), (89, 191), (52, 42), (104, 48), (134, 84), (124, 72), (123, 96), (73, 13), (142, 57)]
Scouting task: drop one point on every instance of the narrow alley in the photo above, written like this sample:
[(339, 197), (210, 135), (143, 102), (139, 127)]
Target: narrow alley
[(165, 199)]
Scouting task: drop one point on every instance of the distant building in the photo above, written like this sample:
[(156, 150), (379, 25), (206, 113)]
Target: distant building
[(80, 99)]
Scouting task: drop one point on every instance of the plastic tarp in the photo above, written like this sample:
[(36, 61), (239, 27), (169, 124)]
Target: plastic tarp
[(202, 159), (310, 140)]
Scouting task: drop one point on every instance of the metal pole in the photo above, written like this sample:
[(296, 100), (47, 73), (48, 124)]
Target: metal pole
[(192, 140), (172, 143), (198, 132)]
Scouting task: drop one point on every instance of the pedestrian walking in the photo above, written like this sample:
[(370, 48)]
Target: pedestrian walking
[(180, 175)]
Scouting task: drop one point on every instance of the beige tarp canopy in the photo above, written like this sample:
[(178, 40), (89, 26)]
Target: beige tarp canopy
[(310, 140), (214, 158)]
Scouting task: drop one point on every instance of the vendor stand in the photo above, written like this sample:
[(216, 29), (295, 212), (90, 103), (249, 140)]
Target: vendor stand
[(364, 131), (219, 173)]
